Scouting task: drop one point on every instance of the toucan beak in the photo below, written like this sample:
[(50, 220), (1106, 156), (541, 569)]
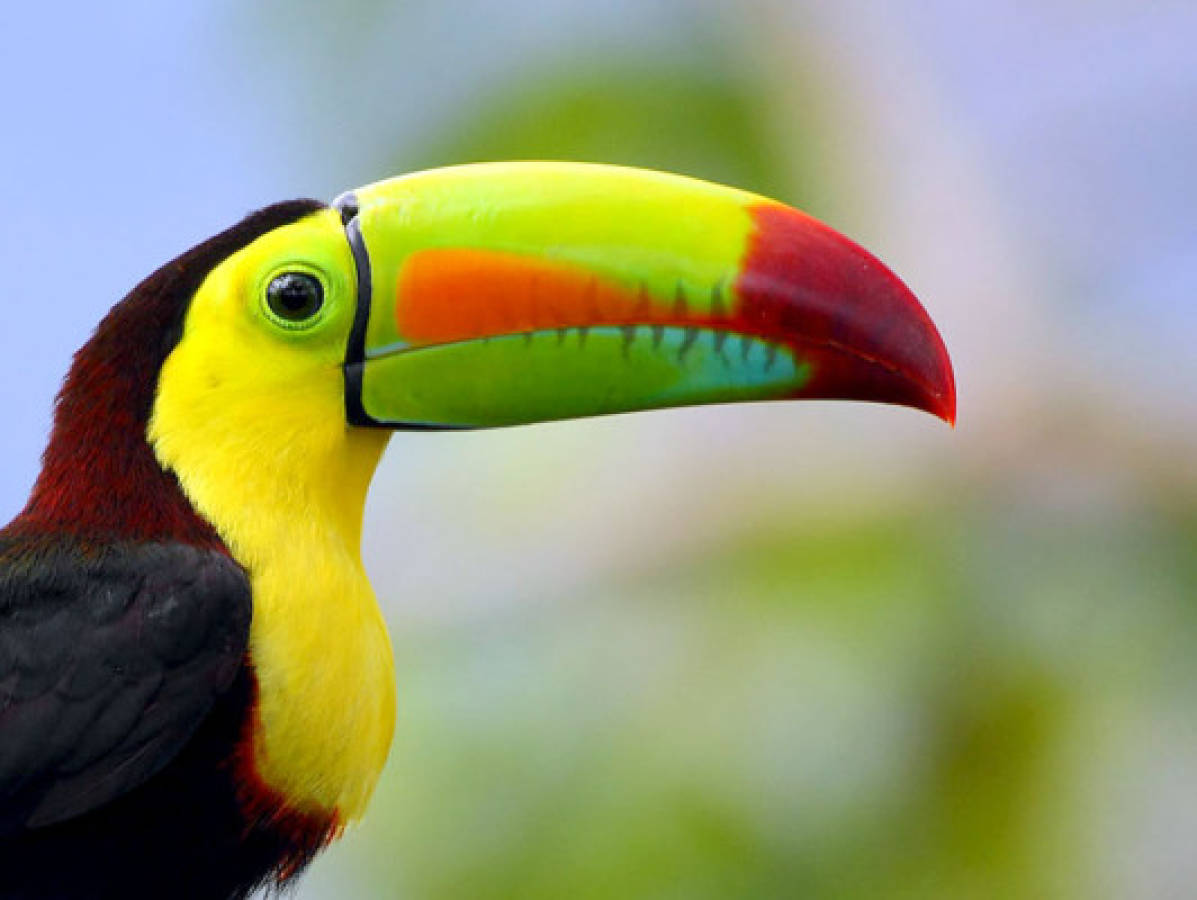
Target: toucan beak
[(508, 293)]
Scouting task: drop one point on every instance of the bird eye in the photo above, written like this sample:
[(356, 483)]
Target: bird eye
[(295, 297)]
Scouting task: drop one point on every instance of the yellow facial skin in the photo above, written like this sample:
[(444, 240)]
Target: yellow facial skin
[(250, 416)]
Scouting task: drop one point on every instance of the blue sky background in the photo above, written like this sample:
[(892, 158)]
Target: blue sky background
[(1027, 167)]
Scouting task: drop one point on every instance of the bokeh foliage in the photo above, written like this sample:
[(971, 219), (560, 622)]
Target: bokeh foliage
[(920, 703)]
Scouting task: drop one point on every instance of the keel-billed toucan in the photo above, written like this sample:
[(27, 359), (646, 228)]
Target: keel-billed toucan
[(196, 689)]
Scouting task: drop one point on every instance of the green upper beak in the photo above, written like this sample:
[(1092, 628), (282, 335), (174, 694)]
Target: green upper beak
[(508, 293)]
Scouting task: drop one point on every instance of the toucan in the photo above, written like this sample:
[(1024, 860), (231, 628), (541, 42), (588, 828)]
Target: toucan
[(196, 683)]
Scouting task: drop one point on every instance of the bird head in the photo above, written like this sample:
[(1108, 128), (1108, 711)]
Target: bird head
[(505, 294)]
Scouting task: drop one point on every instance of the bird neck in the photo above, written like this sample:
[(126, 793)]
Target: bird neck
[(99, 477), (284, 482)]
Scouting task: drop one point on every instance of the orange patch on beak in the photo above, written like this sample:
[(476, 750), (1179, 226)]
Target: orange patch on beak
[(447, 295)]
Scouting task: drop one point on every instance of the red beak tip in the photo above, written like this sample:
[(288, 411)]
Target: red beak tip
[(948, 413), (942, 400), (864, 330)]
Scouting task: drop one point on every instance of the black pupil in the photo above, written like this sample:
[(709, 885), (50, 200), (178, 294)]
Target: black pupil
[(295, 296)]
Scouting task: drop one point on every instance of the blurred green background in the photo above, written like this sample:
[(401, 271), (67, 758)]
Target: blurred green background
[(812, 651)]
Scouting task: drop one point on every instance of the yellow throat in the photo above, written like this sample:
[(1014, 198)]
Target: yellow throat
[(254, 427)]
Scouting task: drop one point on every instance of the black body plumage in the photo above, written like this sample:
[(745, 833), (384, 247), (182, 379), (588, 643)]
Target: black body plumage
[(123, 691)]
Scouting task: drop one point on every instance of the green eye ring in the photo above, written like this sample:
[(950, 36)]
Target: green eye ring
[(294, 299)]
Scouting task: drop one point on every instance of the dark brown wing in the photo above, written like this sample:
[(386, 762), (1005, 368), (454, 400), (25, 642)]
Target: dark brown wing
[(110, 657)]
